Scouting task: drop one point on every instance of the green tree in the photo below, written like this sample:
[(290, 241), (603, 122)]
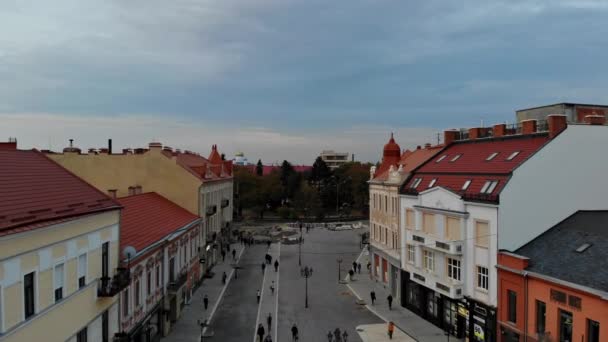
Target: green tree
[(320, 172), (259, 168), (307, 201)]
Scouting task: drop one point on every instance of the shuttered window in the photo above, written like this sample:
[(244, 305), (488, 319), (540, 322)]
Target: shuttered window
[(482, 234), (452, 228)]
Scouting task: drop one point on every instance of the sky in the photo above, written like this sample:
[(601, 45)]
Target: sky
[(285, 79)]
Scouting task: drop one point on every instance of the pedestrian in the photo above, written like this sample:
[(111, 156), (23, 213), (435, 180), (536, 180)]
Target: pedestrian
[(350, 274), (359, 267), (268, 338), (391, 329), (272, 287), (330, 336), (269, 259), (390, 301), (369, 266), (354, 266), (258, 294), (373, 296), (294, 332), (276, 265), (268, 243), (233, 254), (269, 320), (224, 276), (337, 335), (263, 267), (261, 331), (206, 301), (345, 336), (223, 255)]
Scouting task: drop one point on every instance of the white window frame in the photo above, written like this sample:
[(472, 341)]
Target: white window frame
[(415, 183), (455, 158), (411, 254), (454, 268), (429, 260), (441, 158), (489, 187), (466, 185), (492, 156), (513, 155), (79, 272), (483, 278), (55, 287), (433, 181)]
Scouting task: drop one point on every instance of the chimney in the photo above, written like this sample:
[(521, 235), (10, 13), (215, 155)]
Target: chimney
[(418, 147), (139, 151), (103, 150), (500, 130), (427, 145), (112, 193), (556, 123), (598, 120), (155, 145), (109, 146), (528, 126), (450, 136), (11, 145), (71, 148), (92, 151), (127, 151), (475, 133)]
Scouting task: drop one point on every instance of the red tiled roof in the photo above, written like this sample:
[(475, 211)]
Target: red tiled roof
[(203, 168), (35, 190), (410, 160), (472, 164), (149, 217)]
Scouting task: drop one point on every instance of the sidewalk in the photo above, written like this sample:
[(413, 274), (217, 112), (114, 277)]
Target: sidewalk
[(413, 325), (187, 328), (379, 333), (269, 302)]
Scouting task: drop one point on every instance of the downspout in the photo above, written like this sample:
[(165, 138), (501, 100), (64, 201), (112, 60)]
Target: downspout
[(525, 274)]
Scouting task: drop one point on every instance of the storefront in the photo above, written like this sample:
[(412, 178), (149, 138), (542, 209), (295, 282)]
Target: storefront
[(386, 269), (150, 328), (481, 321)]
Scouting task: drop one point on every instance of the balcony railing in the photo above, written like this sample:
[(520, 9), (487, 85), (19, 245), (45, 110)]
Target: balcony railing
[(175, 285), (225, 203), (211, 210), (483, 198), (109, 287)]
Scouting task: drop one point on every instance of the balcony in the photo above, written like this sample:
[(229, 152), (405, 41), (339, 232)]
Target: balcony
[(225, 203), (175, 285), (211, 210), (109, 287), (482, 198)]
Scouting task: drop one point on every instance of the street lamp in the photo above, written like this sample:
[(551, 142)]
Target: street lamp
[(306, 273), (339, 266)]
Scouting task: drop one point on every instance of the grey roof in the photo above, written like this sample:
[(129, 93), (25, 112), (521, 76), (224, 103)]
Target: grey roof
[(567, 104), (554, 254)]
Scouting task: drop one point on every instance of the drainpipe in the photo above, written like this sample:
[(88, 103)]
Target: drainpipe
[(525, 274)]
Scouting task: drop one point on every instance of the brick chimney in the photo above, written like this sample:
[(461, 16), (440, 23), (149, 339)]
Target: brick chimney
[(10, 145), (598, 120), (450, 136), (112, 193), (528, 126), (556, 123), (475, 133), (500, 130), (427, 145)]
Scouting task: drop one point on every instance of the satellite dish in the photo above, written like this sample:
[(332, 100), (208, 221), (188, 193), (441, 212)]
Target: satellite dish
[(129, 252)]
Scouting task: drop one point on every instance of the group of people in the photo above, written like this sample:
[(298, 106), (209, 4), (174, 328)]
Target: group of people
[(228, 250), (247, 241), (389, 299), (337, 336), (261, 331)]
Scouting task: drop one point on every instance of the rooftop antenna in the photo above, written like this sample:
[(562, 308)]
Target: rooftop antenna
[(438, 137), (71, 142)]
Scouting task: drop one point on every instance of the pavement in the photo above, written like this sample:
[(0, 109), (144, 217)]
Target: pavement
[(379, 333), (415, 327)]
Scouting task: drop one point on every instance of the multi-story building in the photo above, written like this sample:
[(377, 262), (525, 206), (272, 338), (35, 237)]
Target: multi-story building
[(385, 239), (481, 194), (334, 159), (574, 112), (554, 288), (201, 186), (59, 252), (163, 238)]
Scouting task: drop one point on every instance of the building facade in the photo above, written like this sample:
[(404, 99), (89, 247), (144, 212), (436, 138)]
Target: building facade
[(334, 159), (59, 252), (574, 112), (476, 197)]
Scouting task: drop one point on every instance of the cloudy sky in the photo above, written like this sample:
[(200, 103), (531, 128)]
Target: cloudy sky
[(284, 79)]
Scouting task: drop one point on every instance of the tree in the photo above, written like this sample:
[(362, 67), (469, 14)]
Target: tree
[(319, 173), (259, 168), (307, 201)]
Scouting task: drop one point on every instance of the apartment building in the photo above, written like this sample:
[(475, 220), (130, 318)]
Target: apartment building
[(200, 185), (334, 159), (481, 194), (553, 288), (59, 252), (574, 112), (385, 238), (164, 266)]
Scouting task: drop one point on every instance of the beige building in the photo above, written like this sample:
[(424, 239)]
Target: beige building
[(334, 159), (59, 253), (385, 182)]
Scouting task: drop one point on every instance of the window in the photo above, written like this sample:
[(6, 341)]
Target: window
[(455, 158), (489, 187), (415, 183), (82, 271), (411, 254), (410, 219), (512, 155), (482, 234), (593, 331), (491, 156), (157, 276), (125, 303), (29, 293), (541, 314), (565, 326), (429, 261), (452, 226), (105, 327), (441, 158), (482, 277), (172, 270), (82, 335), (466, 184), (137, 293), (105, 259), (428, 223), (58, 282), (512, 306), (432, 182), (454, 269), (149, 283)]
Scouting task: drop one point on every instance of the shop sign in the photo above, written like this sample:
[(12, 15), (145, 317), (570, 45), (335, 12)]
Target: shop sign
[(478, 332), (462, 311)]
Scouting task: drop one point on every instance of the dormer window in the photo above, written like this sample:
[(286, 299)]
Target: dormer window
[(441, 158), (513, 155), (415, 183), (466, 184), (455, 158), (492, 156), (489, 187), (432, 182)]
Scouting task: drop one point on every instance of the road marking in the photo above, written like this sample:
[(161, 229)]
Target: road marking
[(217, 302), (276, 310), (257, 320)]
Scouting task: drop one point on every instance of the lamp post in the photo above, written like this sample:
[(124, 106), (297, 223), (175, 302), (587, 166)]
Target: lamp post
[(300, 247), (339, 267), (306, 273)]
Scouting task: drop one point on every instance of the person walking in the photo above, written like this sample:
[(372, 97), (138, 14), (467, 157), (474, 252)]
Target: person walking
[(345, 336), (205, 302), (294, 333), (373, 296), (268, 338), (261, 331), (337, 335), (391, 329), (224, 276), (369, 266), (269, 321), (272, 287), (223, 255), (390, 301), (276, 265), (258, 294), (330, 336), (233, 253), (359, 267), (263, 267)]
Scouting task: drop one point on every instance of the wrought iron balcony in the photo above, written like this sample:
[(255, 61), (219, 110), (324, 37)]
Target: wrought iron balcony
[(225, 203), (109, 287), (211, 210), (177, 283)]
